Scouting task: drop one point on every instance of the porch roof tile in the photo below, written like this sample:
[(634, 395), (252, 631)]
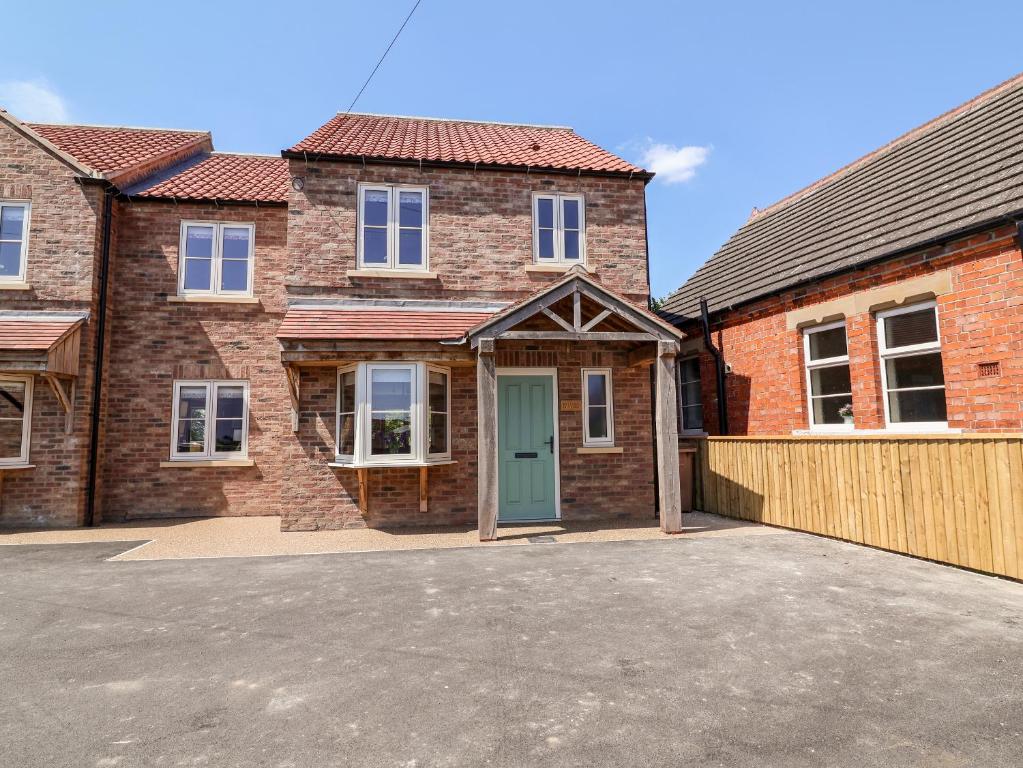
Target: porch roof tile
[(32, 334), (326, 323)]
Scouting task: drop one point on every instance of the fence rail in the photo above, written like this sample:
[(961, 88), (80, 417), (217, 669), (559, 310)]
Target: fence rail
[(955, 499)]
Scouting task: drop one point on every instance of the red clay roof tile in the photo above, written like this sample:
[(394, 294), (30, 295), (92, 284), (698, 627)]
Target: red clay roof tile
[(108, 149), (388, 137), (327, 323), (30, 334), (217, 176)]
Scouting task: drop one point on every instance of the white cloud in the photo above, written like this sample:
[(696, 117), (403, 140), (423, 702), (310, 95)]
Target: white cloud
[(673, 165), (33, 101)]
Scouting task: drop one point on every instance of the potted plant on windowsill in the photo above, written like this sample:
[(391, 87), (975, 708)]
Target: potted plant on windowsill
[(846, 412)]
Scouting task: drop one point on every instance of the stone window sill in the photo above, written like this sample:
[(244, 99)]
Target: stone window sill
[(10, 467), (212, 300), (601, 449), (13, 286), (195, 464), (392, 465), (555, 268), (397, 274)]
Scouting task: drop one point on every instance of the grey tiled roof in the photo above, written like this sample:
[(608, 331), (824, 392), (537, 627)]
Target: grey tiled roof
[(959, 171)]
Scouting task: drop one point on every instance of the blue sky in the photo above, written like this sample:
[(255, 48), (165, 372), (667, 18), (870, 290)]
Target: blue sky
[(737, 106)]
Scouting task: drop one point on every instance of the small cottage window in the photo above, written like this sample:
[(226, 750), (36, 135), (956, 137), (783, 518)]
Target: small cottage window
[(13, 241), (215, 259), (393, 227), (393, 414), (598, 409), (210, 420), (912, 375), (690, 395), (15, 419), (828, 379), (559, 229)]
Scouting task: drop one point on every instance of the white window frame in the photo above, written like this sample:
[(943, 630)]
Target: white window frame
[(559, 230), (885, 354), (26, 422), (420, 405), (210, 453), (681, 398), (609, 439), (25, 229), (216, 267), (809, 366), (393, 226)]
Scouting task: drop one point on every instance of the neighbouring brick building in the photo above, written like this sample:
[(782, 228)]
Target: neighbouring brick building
[(892, 289), (400, 321)]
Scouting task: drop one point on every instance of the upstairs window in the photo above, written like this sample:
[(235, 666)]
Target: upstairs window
[(559, 229), (828, 379), (393, 231), (911, 371), (598, 409), (210, 420), (393, 413), (15, 419), (215, 259), (13, 241), (690, 395)]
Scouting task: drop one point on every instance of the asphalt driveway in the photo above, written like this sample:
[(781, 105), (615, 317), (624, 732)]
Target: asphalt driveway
[(748, 651)]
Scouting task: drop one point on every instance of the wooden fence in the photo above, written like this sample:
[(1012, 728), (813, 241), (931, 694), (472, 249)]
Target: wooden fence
[(955, 499)]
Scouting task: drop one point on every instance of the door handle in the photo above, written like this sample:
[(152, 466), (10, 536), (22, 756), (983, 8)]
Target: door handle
[(550, 443)]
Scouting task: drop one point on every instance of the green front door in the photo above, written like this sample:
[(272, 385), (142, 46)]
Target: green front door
[(525, 429)]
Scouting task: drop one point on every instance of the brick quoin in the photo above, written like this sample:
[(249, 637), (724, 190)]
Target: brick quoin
[(980, 321)]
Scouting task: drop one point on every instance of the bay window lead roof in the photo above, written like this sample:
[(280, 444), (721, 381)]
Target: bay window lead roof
[(952, 175)]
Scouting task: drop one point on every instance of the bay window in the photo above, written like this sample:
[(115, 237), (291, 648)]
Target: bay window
[(215, 259), (210, 420), (393, 413), (13, 241), (912, 376), (15, 419), (393, 227), (598, 408), (828, 378), (559, 230)]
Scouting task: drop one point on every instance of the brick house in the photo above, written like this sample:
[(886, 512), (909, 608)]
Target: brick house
[(892, 289), (399, 321)]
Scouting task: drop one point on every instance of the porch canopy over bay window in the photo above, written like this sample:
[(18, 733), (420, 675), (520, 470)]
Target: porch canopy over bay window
[(34, 345)]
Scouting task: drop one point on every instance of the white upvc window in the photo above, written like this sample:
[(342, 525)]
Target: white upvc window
[(393, 230), (912, 375), (598, 408), (216, 258), (210, 420), (15, 419), (690, 395), (14, 217), (559, 228), (393, 414), (828, 379)]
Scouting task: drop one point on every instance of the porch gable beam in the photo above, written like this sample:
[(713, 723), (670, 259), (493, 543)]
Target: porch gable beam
[(577, 336), (558, 319), (597, 320)]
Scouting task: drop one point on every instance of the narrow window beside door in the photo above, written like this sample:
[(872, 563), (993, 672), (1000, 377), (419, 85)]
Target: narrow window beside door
[(690, 395), (598, 409)]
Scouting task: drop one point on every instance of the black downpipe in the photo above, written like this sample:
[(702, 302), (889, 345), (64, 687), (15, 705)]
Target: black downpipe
[(719, 362), (97, 379)]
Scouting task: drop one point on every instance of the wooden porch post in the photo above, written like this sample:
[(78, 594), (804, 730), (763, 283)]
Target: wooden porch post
[(669, 489), (486, 439)]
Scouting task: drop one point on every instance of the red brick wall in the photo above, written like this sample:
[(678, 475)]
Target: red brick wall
[(480, 231), (981, 320), (63, 253), (593, 486), (153, 342)]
